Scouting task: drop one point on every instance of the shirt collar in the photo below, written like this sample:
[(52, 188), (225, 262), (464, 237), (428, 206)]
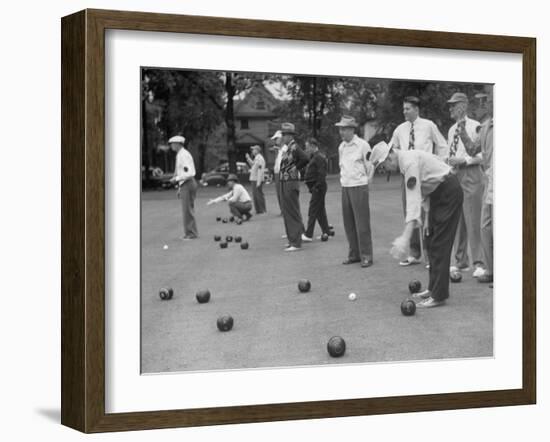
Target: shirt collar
[(352, 141)]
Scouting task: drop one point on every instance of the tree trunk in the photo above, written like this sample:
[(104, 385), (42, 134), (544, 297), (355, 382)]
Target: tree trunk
[(314, 128), (230, 123), (144, 136)]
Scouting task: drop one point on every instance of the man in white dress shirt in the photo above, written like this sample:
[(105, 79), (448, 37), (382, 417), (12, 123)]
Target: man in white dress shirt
[(462, 136), (281, 148), (417, 133), (257, 174), (237, 198), (355, 174), (184, 177)]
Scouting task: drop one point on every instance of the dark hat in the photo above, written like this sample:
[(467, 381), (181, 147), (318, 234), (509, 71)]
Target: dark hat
[(288, 128), (458, 97), (232, 177)]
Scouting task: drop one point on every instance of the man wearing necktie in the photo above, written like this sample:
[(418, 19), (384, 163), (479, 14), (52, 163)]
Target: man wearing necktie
[(417, 133), (462, 136)]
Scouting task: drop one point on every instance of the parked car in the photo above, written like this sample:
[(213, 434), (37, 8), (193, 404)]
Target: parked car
[(218, 175)]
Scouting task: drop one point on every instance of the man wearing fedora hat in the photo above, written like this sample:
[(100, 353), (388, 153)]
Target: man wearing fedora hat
[(184, 177), (292, 160), (238, 199), (429, 183), (355, 174), (257, 173), (462, 136)]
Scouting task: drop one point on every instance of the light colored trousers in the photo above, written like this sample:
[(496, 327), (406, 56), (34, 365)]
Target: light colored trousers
[(472, 181), (487, 226)]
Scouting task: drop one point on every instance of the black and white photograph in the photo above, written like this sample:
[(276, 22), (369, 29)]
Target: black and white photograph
[(293, 220)]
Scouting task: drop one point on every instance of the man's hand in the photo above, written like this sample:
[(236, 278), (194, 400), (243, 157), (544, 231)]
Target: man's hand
[(455, 161), (400, 248)]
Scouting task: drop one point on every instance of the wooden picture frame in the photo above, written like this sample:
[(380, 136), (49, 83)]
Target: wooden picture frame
[(83, 220)]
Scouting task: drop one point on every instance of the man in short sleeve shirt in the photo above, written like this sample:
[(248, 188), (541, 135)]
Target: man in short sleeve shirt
[(428, 182), (355, 173)]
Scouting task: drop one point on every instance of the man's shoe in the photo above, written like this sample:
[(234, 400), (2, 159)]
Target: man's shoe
[(350, 261), (430, 303), (366, 263), (479, 271), (421, 296), (188, 237), (411, 260), (485, 278), (306, 238), (292, 249)]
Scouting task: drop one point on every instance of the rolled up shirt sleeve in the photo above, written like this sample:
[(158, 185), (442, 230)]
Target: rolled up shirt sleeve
[(413, 194)]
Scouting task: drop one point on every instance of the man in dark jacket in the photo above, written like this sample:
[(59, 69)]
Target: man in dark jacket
[(293, 159), (315, 179)]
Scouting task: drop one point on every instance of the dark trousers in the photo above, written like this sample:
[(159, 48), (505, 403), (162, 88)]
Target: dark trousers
[(415, 244), (445, 211), (290, 201), (258, 197), (356, 213), (188, 192), (240, 209), (278, 190), (317, 211)]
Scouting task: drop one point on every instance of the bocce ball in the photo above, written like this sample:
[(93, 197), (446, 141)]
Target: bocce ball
[(336, 346), (455, 276), (352, 297), (225, 220), (203, 296), (166, 293), (238, 239), (223, 245), (244, 245), (229, 238), (415, 286), (304, 285), (231, 219), (239, 221), (217, 238), (324, 237), (408, 307), (224, 323), (331, 233), (218, 218)]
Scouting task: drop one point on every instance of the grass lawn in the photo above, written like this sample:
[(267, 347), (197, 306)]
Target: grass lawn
[(275, 325)]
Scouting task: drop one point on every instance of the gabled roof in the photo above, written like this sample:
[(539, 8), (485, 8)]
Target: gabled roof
[(249, 138), (258, 102)]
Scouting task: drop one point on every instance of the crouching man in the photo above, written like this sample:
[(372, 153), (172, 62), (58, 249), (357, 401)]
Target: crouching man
[(238, 199), (428, 182)]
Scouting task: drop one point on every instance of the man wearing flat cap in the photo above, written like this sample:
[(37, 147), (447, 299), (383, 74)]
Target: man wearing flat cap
[(237, 198), (184, 177), (292, 160), (463, 135), (428, 182), (417, 133), (257, 173), (355, 174)]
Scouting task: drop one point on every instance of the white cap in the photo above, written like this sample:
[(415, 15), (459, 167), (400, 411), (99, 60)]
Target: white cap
[(177, 139), (276, 135), (379, 153)]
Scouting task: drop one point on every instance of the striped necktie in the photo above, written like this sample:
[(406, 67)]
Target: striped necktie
[(411, 138), (454, 144)]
